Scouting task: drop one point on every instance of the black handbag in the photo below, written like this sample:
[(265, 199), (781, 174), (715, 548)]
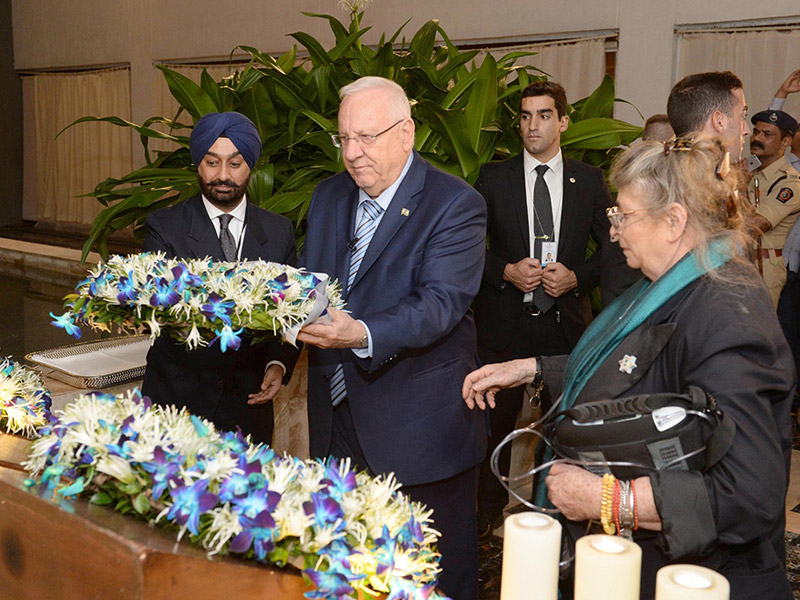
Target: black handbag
[(647, 431)]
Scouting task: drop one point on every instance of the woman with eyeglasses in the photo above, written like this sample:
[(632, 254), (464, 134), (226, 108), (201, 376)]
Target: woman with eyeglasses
[(700, 317)]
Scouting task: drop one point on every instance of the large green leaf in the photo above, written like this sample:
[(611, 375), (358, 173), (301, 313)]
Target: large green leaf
[(189, 95), (600, 104), (599, 134), (482, 103)]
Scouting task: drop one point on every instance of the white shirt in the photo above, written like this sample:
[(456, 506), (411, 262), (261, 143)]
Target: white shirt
[(236, 225), (554, 178), (384, 200)]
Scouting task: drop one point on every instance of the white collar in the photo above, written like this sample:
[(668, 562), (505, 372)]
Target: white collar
[(237, 213), (530, 162)]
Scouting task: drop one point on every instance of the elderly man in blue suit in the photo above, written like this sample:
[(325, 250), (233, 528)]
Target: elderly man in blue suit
[(407, 243)]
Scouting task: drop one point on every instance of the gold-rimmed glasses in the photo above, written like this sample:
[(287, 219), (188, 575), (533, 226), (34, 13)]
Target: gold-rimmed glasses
[(364, 139), (617, 217)]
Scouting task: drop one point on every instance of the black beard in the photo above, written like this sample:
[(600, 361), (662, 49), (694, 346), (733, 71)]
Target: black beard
[(223, 199)]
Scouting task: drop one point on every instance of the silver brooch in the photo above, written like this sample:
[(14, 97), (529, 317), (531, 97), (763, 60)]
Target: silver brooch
[(627, 364)]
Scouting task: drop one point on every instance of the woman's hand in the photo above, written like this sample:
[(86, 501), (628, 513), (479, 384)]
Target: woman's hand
[(492, 378), (574, 491)]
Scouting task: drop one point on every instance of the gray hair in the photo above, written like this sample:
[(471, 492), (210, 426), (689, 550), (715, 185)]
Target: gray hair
[(397, 102), (688, 177)]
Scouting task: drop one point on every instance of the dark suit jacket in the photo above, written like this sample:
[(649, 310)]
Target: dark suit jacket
[(207, 381), (726, 340), (413, 290), (585, 199)]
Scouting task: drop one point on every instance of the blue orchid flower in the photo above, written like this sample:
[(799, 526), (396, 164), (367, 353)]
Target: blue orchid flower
[(199, 425), (217, 308), (407, 589), (331, 584), (75, 488), (338, 551), (410, 534), (234, 441), (184, 278), (256, 502), (228, 338), (126, 289), (256, 532), (93, 283), (338, 484), (238, 484), (163, 469), (189, 502), (165, 294), (66, 323), (324, 508), (384, 551)]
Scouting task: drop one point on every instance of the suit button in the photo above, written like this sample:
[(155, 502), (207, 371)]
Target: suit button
[(326, 379)]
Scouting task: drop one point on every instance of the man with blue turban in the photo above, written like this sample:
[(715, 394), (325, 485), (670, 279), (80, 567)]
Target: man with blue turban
[(232, 388)]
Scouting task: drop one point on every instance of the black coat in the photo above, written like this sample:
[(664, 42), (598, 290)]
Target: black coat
[(585, 199), (210, 383), (725, 339)]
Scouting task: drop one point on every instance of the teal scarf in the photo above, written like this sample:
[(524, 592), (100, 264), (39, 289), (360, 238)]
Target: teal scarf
[(619, 319)]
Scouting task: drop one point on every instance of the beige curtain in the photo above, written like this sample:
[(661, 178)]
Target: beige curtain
[(85, 154), (577, 65), (165, 105), (763, 59)]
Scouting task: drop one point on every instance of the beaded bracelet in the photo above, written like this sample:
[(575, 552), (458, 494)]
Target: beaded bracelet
[(615, 505), (606, 509)]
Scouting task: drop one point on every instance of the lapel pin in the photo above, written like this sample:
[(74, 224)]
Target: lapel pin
[(627, 364), (572, 180), (405, 212)]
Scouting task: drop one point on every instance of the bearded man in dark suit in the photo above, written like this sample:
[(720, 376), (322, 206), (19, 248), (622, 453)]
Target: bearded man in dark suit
[(234, 388), (539, 203)]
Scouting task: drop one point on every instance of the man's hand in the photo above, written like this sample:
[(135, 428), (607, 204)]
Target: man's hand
[(790, 86), (525, 274), (558, 279), (342, 332), (490, 379), (273, 376)]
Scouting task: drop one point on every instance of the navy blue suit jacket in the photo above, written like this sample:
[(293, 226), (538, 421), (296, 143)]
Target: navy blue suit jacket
[(208, 382), (413, 289)]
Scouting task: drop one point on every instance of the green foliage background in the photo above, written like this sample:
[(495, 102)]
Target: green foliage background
[(466, 116)]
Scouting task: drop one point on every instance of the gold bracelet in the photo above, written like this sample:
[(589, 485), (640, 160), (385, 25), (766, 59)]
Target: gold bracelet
[(606, 504)]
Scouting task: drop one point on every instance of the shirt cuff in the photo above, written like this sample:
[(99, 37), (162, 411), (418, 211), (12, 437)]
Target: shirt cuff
[(276, 362), (777, 104), (364, 352)]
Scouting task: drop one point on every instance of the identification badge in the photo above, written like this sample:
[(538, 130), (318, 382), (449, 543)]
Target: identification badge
[(549, 253)]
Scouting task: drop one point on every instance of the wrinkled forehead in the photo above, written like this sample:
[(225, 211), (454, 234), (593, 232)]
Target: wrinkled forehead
[(363, 111)]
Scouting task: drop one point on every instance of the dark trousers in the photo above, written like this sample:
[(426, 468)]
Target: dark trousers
[(535, 336), (453, 504)]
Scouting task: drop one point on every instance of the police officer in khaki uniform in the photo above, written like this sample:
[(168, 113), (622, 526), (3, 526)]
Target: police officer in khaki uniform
[(779, 192)]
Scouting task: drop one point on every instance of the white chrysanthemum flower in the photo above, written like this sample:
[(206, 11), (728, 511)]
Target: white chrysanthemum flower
[(224, 527), (116, 467)]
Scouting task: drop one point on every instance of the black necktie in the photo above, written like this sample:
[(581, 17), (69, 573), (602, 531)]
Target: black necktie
[(542, 226), (226, 238)]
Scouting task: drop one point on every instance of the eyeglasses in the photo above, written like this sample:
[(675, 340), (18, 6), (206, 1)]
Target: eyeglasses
[(363, 139), (617, 216)]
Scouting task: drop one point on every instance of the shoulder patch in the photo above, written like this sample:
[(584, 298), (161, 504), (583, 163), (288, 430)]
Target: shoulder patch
[(785, 194)]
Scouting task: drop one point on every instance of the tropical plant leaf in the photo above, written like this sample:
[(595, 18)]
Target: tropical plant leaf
[(189, 95)]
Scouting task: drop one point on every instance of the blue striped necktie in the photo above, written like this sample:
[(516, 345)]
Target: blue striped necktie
[(367, 224)]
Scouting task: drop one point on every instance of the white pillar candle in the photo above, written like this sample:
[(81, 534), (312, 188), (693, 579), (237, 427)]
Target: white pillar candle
[(531, 551), (607, 568), (691, 582)]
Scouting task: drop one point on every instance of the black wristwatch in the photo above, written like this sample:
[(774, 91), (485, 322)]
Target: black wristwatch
[(534, 388)]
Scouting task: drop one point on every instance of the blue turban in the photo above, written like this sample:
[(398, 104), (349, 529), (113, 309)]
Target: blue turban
[(233, 125)]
